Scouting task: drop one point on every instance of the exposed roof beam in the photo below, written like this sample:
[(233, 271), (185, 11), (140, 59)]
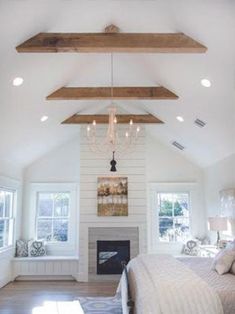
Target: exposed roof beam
[(112, 42), (75, 93), (103, 119)]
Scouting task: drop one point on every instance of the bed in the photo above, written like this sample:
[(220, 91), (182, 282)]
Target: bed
[(224, 285), (163, 284)]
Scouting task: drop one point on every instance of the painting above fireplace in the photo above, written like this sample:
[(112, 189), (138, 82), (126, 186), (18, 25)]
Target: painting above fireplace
[(110, 255)]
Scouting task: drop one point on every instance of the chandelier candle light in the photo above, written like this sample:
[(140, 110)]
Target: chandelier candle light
[(116, 140)]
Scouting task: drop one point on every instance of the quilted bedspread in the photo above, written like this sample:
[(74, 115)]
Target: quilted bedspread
[(160, 284), (224, 285)]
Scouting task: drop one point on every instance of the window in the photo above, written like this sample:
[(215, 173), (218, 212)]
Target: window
[(52, 220), (6, 217), (173, 214)]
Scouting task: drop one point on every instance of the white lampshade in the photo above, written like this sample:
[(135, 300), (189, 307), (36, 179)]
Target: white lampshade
[(218, 223)]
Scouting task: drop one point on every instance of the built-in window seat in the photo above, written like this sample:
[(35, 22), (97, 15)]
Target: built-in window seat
[(45, 268)]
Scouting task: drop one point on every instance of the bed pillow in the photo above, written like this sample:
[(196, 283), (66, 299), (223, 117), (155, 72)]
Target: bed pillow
[(231, 245), (232, 269), (36, 248), (223, 261)]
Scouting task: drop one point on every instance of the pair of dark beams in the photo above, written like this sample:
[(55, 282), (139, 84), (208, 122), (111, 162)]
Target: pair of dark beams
[(108, 42)]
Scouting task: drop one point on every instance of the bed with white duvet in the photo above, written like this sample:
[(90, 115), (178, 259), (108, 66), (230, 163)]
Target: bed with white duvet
[(162, 284)]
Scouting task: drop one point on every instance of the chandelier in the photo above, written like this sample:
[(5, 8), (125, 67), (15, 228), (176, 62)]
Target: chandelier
[(116, 138)]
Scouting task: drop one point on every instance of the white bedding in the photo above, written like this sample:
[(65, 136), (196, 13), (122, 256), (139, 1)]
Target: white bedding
[(162, 285)]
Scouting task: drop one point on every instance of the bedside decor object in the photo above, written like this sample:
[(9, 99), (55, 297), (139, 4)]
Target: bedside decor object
[(218, 224), (208, 250), (112, 196), (36, 248), (21, 248)]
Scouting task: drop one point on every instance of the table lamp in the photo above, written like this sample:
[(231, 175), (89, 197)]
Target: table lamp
[(218, 224)]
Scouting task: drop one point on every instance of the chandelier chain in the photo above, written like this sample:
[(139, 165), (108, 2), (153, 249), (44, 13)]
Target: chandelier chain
[(111, 77)]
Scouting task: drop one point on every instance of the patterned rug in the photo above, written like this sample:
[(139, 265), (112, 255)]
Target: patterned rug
[(100, 305)]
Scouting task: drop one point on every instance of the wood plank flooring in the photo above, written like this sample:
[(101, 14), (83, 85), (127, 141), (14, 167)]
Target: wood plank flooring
[(29, 297)]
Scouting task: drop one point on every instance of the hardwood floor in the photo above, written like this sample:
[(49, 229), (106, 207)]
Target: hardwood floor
[(30, 297)]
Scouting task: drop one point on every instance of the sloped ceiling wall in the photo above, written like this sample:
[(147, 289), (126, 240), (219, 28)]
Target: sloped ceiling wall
[(25, 139)]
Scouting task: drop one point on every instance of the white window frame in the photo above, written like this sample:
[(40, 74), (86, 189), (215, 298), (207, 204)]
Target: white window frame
[(154, 243), (10, 218), (53, 217), (69, 247), (173, 216), (14, 186)]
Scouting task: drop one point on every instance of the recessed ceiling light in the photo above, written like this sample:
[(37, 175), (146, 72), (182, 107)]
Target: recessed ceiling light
[(206, 83), (180, 119), (44, 118), (18, 81)]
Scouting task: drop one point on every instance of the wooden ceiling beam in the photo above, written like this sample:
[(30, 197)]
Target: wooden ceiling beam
[(86, 93), (112, 42), (104, 119)]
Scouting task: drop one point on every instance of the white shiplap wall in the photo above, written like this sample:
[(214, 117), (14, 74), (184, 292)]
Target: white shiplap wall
[(129, 164)]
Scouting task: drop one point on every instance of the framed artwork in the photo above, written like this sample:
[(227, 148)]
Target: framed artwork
[(112, 196)]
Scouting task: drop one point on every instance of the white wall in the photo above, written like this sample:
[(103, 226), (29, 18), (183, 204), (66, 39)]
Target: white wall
[(150, 162), (130, 165), (218, 177), (61, 165), (166, 165), (10, 177)]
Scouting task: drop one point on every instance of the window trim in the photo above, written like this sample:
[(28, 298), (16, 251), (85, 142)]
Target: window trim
[(154, 244), (11, 217), (15, 186), (190, 212), (72, 188)]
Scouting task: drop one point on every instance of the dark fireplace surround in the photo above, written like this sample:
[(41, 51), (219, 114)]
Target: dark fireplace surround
[(110, 255)]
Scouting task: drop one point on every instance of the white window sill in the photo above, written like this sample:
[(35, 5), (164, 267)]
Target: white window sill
[(6, 249), (46, 258)]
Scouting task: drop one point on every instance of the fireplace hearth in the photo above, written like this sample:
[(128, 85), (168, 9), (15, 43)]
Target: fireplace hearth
[(110, 255)]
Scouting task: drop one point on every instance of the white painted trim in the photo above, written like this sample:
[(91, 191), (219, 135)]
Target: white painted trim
[(46, 278), (45, 258), (9, 183), (72, 244), (154, 245)]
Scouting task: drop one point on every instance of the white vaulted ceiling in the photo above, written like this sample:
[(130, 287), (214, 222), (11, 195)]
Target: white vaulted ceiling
[(23, 138)]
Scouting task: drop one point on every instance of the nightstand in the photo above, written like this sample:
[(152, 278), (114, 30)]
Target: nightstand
[(208, 250)]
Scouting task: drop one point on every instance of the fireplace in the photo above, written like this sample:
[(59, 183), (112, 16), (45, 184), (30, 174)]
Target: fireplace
[(110, 255)]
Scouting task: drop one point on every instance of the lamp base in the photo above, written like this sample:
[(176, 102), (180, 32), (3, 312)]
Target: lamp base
[(218, 239)]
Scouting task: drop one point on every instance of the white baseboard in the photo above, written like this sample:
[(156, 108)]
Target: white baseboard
[(5, 280), (44, 278)]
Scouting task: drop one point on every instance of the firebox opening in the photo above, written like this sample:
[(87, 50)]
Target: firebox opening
[(110, 255)]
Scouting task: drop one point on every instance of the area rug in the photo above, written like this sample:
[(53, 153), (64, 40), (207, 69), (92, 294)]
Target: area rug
[(101, 305)]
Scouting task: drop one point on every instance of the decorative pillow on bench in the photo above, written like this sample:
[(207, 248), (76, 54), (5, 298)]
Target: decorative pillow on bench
[(21, 248), (191, 248), (30, 248), (36, 248)]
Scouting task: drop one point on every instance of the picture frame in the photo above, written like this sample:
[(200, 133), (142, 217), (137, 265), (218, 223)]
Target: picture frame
[(112, 196)]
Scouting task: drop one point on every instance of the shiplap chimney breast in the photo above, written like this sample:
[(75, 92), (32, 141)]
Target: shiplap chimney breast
[(130, 164)]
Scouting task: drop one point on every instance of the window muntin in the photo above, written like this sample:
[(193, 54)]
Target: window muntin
[(173, 215), (52, 222), (6, 217)]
